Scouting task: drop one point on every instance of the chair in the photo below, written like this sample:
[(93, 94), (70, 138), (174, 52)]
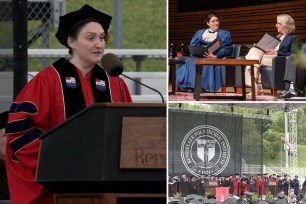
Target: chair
[(228, 72), (272, 77), (177, 66)]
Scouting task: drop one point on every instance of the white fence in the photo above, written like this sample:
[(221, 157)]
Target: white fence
[(258, 169), (156, 80), (56, 53)]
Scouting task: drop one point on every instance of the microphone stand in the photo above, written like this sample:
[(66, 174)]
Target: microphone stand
[(145, 86)]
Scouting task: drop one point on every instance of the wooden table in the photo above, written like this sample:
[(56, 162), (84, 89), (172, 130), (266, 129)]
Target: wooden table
[(242, 62), (172, 62)]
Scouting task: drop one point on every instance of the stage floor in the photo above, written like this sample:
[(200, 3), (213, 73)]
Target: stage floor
[(184, 96)]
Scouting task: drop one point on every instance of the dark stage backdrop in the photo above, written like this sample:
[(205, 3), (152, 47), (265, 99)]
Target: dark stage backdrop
[(213, 143), (252, 145), (199, 5)]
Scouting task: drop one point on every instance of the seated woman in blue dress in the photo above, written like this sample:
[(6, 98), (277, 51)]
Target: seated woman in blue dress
[(211, 76)]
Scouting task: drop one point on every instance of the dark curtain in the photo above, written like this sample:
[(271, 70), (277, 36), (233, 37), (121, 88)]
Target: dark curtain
[(252, 145), (199, 5), (204, 143)]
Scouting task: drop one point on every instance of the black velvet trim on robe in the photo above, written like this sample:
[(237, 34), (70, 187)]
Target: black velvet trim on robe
[(100, 85), (72, 89)]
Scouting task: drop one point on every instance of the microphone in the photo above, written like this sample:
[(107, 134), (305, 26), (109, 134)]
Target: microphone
[(114, 67), (112, 64)]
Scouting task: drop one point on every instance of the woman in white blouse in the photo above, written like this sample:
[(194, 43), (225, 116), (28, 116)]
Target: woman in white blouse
[(211, 77)]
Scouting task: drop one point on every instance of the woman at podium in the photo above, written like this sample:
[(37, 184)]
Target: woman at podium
[(55, 94)]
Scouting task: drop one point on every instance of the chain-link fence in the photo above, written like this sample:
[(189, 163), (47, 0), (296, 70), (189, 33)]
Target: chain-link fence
[(6, 35), (43, 15), (136, 24)]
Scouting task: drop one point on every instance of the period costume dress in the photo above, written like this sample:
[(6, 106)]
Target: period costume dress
[(211, 76)]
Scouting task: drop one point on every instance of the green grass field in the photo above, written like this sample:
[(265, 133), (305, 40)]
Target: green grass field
[(279, 161)]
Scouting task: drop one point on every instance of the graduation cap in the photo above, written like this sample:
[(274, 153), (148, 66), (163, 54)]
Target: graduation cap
[(304, 200), (196, 202), (3, 119), (192, 197), (245, 202), (248, 193), (211, 201), (263, 202), (174, 201), (229, 201), (280, 196), (281, 201), (70, 20), (293, 196)]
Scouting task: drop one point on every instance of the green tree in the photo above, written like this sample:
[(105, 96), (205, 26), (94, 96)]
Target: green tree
[(301, 121), (272, 143), (251, 141)]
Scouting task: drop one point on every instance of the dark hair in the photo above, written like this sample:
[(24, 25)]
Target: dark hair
[(209, 16), (75, 30)]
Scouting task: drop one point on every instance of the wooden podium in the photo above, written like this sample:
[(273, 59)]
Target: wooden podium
[(109, 153), (211, 188), (270, 186)]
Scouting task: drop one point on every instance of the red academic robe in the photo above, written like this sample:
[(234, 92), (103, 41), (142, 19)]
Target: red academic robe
[(236, 186), (244, 187), (259, 186), (52, 96)]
